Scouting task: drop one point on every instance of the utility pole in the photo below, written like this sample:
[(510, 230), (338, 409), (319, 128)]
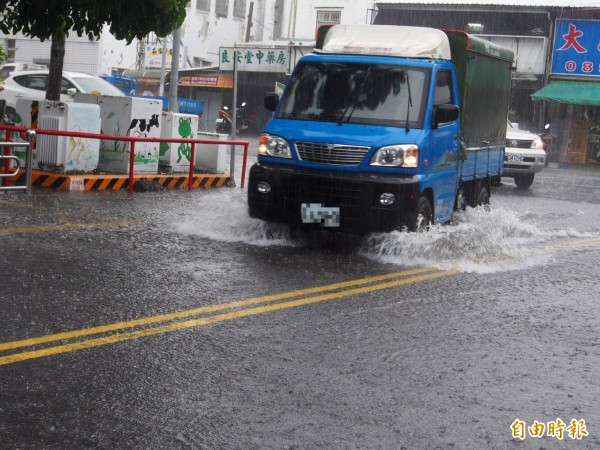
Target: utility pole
[(163, 68), (249, 26), (140, 55), (173, 98), (233, 113)]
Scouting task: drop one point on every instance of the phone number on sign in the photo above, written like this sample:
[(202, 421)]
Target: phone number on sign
[(586, 66)]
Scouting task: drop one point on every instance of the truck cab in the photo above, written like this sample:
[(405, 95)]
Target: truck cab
[(367, 135)]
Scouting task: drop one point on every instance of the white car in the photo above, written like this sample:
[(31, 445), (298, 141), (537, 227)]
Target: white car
[(524, 156), (32, 85)]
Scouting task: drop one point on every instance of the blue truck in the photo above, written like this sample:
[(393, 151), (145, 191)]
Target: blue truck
[(384, 128)]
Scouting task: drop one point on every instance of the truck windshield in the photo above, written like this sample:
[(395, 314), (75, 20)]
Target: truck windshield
[(374, 94)]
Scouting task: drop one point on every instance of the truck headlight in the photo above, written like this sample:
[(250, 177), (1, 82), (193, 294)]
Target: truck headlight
[(271, 145), (401, 155), (537, 143)]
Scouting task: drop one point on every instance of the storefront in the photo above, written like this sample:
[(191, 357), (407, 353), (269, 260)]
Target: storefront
[(572, 94), (574, 117), (259, 69)]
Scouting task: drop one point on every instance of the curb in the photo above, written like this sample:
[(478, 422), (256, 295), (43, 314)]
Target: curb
[(87, 182)]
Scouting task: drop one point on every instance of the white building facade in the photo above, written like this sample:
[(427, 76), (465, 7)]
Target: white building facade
[(209, 25)]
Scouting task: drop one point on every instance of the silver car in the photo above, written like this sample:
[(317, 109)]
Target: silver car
[(524, 156)]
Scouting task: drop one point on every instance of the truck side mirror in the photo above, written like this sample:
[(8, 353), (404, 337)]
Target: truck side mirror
[(270, 101), (445, 113)]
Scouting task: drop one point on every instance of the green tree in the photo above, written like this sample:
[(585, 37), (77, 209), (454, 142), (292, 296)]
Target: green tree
[(55, 19)]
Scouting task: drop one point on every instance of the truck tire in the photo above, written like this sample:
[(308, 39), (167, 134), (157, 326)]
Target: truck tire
[(524, 181), (483, 198), (423, 216)]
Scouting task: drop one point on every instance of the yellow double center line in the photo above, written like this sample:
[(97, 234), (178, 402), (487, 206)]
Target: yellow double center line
[(69, 341)]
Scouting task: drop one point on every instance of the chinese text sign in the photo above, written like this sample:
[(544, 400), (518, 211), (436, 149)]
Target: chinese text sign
[(576, 48), (254, 59)]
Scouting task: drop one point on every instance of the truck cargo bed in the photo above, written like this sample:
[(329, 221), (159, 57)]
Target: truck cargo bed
[(485, 162)]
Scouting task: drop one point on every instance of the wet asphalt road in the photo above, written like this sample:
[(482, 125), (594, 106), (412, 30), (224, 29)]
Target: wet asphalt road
[(170, 320)]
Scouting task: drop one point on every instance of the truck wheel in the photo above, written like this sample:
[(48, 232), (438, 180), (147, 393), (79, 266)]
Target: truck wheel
[(483, 198), (423, 215), (524, 181)]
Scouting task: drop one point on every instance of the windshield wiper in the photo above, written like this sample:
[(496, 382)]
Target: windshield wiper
[(409, 101), (356, 99)]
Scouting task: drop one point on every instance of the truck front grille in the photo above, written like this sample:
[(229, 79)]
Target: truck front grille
[(327, 190), (334, 154)]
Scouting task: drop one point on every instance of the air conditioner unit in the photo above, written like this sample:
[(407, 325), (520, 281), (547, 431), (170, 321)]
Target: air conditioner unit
[(68, 153)]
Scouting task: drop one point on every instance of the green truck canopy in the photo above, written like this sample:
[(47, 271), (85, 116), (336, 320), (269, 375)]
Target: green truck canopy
[(483, 71)]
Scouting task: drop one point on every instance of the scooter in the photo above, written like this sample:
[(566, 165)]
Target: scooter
[(224, 120)]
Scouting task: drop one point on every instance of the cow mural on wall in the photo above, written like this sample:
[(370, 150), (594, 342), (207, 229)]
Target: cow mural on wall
[(142, 127)]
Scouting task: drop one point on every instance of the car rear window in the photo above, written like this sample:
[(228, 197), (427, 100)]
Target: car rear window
[(37, 82), (97, 86)]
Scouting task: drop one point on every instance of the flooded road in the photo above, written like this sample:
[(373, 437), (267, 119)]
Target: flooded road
[(173, 320)]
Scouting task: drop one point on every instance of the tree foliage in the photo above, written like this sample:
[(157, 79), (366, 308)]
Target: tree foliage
[(3, 55), (127, 19), (55, 19)]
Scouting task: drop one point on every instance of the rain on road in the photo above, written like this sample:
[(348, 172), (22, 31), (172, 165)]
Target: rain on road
[(172, 320)]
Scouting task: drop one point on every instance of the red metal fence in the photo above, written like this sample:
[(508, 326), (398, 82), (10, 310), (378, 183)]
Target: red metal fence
[(9, 129)]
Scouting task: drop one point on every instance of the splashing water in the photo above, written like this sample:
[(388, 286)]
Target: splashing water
[(222, 215), (476, 241)]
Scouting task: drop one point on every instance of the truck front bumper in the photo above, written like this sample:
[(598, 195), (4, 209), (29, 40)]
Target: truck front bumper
[(355, 196)]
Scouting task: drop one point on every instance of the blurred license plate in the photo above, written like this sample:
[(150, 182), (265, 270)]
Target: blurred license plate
[(319, 213), (514, 158)]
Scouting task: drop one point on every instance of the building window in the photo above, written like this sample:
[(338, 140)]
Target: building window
[(203, 5), (239, 9), (221, 7), (11, 50), (328, 17)]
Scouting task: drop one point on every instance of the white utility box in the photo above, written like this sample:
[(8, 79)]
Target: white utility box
[(127, 116), (68, 154), (175, 157), (211, 158)]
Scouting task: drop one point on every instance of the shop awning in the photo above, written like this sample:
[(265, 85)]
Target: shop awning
[(575, 92)]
